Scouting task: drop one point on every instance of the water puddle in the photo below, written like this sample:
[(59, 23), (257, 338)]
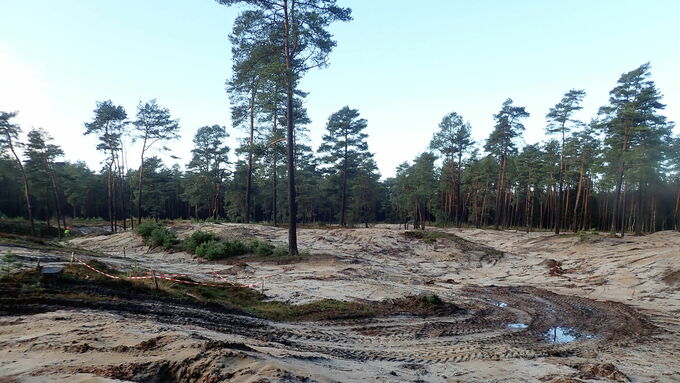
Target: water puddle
[(499, 304), (518, 326), (559, 335)]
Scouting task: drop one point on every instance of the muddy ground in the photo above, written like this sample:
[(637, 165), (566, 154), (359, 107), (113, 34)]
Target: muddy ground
[(534, 307)]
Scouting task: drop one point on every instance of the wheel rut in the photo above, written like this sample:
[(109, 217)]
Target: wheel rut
[(497, 323)]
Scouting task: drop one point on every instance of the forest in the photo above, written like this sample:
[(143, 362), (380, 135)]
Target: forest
[(619, 172)]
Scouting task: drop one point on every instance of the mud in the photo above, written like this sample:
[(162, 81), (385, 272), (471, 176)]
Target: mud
[(480, 331)]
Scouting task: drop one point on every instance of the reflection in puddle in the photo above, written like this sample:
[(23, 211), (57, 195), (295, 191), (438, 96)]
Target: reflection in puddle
[(518, 326), (559, 335)]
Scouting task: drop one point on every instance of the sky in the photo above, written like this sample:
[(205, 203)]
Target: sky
[(402, 64)]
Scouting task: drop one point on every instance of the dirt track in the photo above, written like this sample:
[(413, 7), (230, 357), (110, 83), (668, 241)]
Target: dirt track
[(610, 299)]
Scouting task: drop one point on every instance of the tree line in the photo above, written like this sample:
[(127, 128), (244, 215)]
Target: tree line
[(339, 180), (618, 172)]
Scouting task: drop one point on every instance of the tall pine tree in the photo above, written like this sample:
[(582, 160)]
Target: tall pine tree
[(344, 148), (501, 144), (561, 120)]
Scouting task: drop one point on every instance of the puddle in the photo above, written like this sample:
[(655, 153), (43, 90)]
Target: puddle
[(558, 335), (518, 326), (499, 304)]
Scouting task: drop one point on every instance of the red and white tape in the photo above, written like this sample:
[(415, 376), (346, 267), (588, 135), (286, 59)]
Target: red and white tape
[(169, 277), (97, 271), (215, 273)]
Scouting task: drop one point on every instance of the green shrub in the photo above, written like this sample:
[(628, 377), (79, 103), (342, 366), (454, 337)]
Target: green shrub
[(11, 262), (234, 248), (161, 236), (209, 250), (197, 238), (433, 299), (261, 247), (145, 229), (280, 251), (213, 250)]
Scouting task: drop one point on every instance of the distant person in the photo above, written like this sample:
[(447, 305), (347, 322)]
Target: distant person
[(67, 232)]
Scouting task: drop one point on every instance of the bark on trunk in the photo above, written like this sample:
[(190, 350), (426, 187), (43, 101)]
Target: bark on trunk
[(292, 203), (249, 176)]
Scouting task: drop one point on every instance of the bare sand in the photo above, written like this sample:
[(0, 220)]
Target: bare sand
[(617, 298)]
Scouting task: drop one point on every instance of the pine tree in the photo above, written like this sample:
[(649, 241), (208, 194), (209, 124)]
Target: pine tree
[(40, 165), (254, 72), (301, 42), (9, 139), (344, 149), (630, 122), (561, 120), (78, 182), (109, 123), (501, 144), (207, 169), (453, 141), (153, 125), (529, 177), (366, 189)]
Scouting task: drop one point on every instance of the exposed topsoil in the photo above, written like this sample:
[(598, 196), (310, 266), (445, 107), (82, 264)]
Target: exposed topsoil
[(376, 304)]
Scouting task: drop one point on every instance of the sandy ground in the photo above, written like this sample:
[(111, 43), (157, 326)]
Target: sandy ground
[(617, 299)]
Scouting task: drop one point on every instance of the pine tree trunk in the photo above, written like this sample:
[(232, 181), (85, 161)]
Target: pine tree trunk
[(484, 207), (120, 162), (558, 213), (56, 199), (586, 203), (459, 202), (619, 209), (623, 209), (499, 197), (121, 173), (638, 215), (139, 190), (292, 202), (249, 176), (677, 210), (274, 187), (527, 206), (616, 216), (578, 196), (27, 194), (110, 183), (343, 208), (132, 220)]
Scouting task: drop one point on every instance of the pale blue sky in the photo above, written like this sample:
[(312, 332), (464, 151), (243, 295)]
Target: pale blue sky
[(403, 64)]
